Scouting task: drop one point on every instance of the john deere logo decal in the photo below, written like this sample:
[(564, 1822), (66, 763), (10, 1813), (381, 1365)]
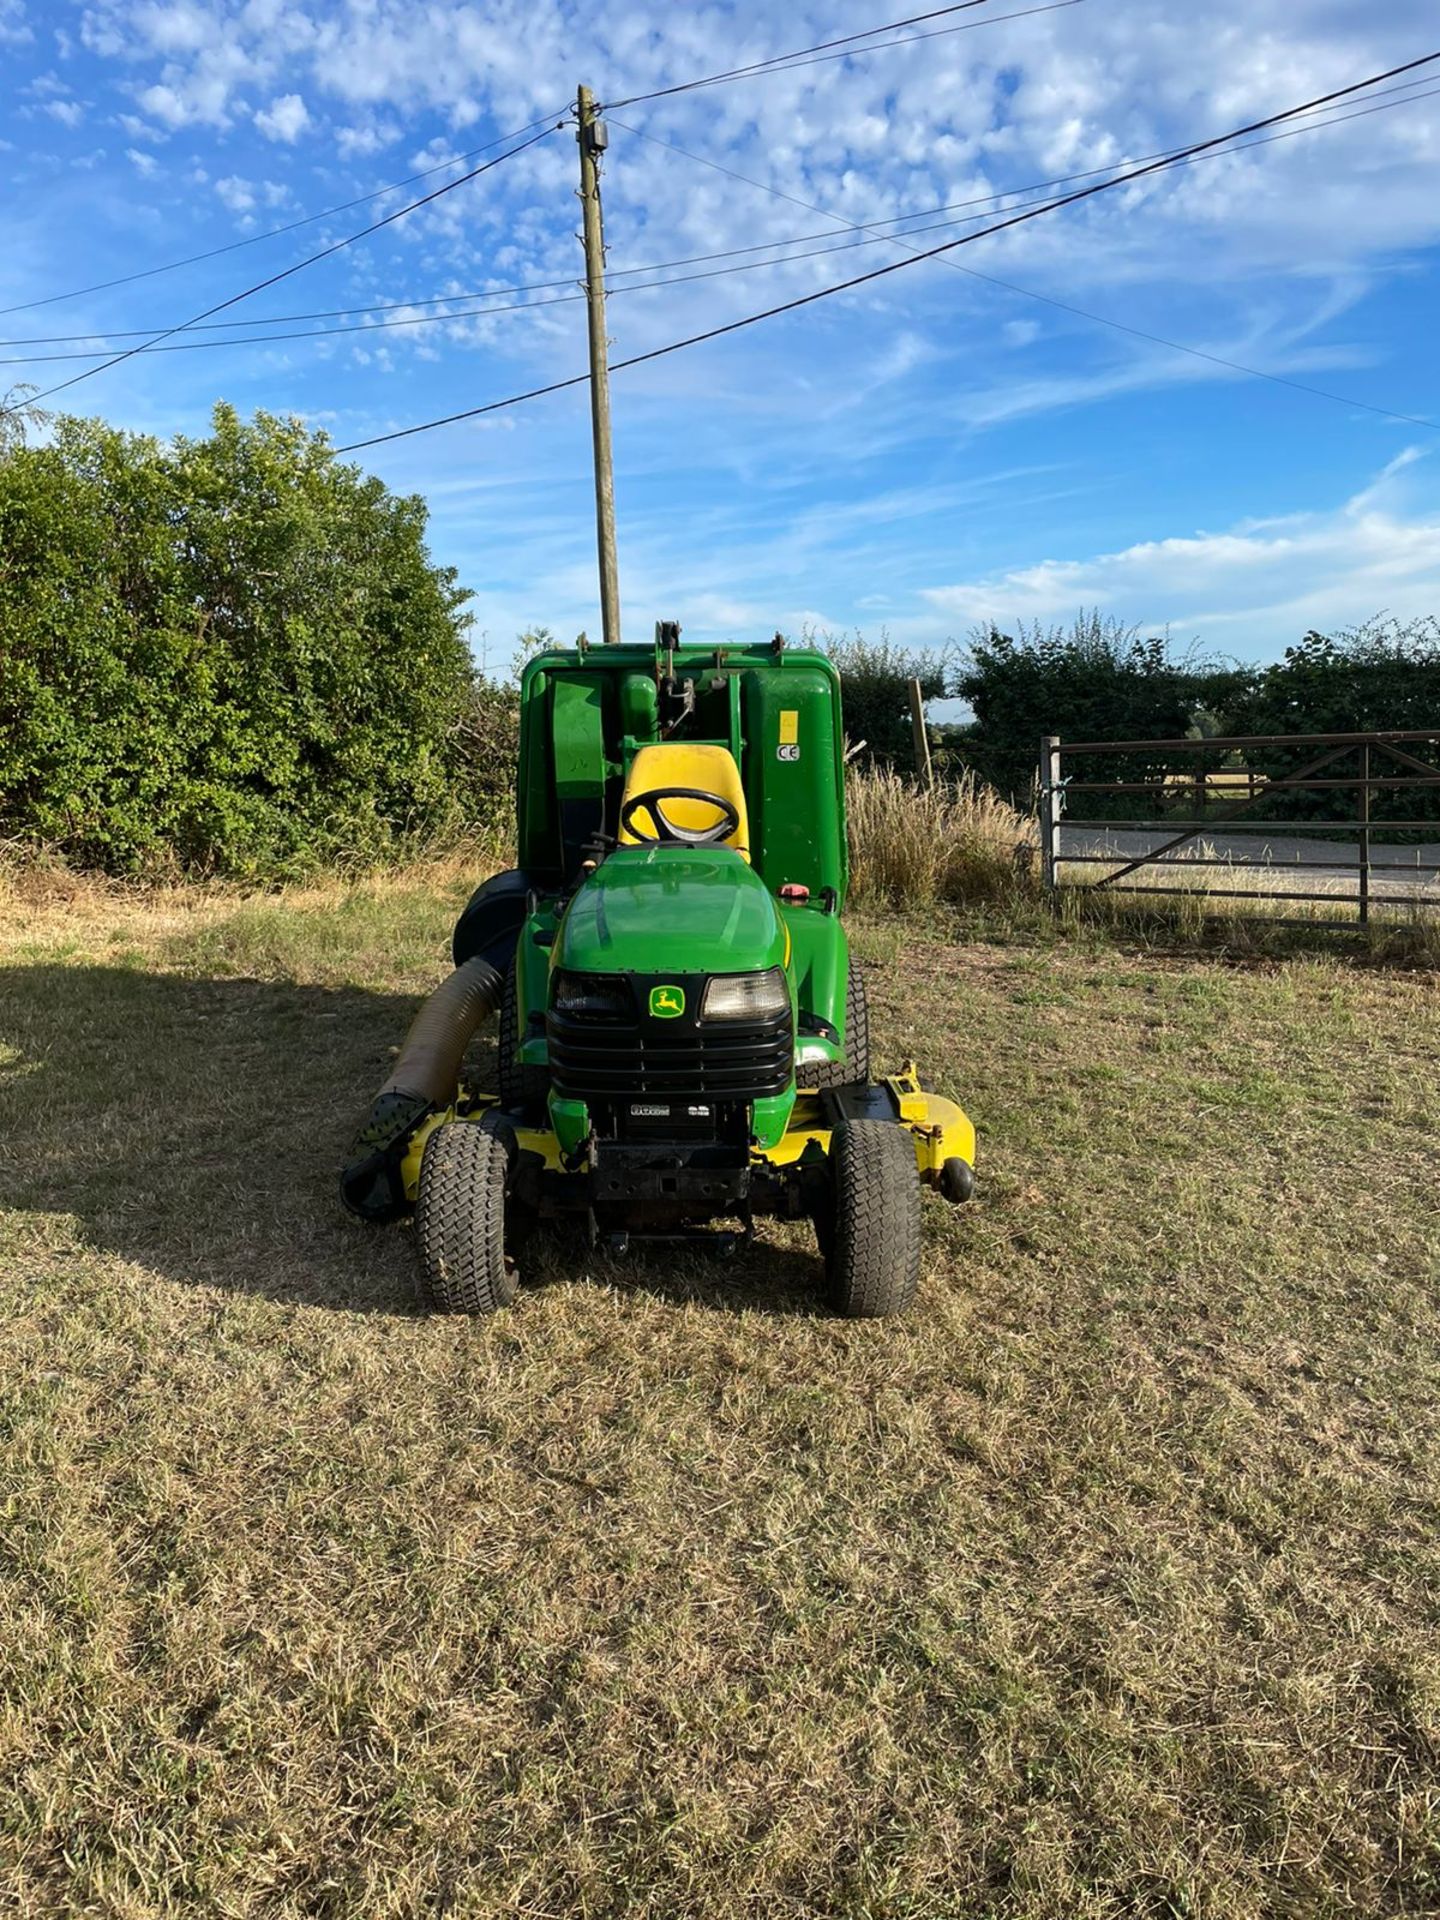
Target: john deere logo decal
[(667, 1003)]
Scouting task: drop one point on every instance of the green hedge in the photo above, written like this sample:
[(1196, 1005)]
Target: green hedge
[(1096, 680), (1380, 677), (230, 654)]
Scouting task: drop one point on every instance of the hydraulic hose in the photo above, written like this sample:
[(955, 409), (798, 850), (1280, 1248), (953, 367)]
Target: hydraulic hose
[(424, 1078)]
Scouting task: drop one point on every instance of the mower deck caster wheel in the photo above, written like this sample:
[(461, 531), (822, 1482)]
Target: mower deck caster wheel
[(872, 1240), (957, 1181), (460, 1221)]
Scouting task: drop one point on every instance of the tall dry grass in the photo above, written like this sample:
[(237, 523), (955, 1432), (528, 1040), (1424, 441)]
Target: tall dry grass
[(911, 846)]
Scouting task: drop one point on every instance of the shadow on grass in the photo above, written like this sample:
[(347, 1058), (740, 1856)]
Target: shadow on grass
[(196, 1127)]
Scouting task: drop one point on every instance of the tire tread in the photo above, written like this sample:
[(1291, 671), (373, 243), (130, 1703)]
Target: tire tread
[(856, 1064), (460, 1221), (874, 1255)]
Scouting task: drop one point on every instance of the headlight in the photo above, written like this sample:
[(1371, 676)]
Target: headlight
[(592, 993), (745, 996)]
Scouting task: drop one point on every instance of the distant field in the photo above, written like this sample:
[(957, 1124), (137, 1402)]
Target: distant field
[(1104, 1585)]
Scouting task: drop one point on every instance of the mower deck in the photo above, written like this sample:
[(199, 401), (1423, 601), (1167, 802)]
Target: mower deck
[(773, 1181)]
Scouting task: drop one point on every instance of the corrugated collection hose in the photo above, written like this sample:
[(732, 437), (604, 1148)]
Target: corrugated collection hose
[(424, 1078)]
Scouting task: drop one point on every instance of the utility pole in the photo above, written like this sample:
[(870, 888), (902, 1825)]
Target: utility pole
[(593, 137)]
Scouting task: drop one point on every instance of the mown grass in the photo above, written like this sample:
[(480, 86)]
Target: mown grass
[(1103, 1585)]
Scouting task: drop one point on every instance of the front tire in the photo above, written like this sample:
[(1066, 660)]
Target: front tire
[(855, 1067), (872, 1260), (460, 1221)]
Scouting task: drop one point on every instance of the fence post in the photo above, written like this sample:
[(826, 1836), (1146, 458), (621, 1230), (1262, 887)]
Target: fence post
[(1051, 801), (1365, 834), (923, 771)]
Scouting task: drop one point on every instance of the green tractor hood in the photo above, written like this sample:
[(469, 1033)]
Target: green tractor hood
[(672, 909)]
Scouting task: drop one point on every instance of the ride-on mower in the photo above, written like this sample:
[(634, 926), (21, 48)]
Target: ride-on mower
[(683, 1039)]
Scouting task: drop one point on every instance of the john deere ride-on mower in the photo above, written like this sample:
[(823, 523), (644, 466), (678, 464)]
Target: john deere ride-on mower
[(683, 1041)]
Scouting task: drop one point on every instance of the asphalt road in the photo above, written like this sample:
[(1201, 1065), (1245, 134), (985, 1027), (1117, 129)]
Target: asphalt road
[(1287, 862)]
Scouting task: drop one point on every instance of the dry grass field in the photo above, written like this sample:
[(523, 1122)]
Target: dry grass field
[(1106, 1584)]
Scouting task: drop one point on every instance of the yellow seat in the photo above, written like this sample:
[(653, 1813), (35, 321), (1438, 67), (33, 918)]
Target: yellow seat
[(680, 763)]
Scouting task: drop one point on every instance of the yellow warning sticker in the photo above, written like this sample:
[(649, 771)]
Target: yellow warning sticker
[(789, 726)]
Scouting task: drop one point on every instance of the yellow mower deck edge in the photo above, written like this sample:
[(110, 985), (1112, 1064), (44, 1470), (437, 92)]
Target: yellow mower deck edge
[(940, 1128)]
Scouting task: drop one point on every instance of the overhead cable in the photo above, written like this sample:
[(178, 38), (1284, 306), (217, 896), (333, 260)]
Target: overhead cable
[(823, 46), (870, 235), (912, 259), (813, 57), (290, 226), (285, 272), (1064, 306), (440, 166)]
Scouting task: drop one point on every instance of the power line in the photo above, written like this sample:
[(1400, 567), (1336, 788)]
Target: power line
[(285, 272), (1084, 313), (395, 186), (755, 66), (432, 319), (1034, 186), (291, 226), (896, 266), (526, 306), (814, 57), (877, 238)]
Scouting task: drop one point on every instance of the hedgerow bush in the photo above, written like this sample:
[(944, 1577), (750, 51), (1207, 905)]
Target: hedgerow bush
[(875, 676), (1380, 677), (230, 654), (1094, 680)]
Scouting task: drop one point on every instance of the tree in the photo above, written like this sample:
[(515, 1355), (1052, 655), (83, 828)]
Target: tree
[(230, 654)]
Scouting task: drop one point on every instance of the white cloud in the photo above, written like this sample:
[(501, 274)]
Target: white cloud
[(145, 164), (68, 112), (237, 194), (358, 143), (1262, 257), (285, 119), (174, 29), (13, 30), (905, 352), (164, 103), (873, 136), (1374, 553), (139, 129)]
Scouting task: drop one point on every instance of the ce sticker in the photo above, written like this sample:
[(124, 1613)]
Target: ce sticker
[(787, 752)]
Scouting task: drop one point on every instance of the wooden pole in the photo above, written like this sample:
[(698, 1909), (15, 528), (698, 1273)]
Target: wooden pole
[(923, 770), (590, 132)]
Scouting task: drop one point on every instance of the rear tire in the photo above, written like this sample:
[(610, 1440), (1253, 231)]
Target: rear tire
[(460, 1221), (856, 1064), (523, 1089), (873, 1257)]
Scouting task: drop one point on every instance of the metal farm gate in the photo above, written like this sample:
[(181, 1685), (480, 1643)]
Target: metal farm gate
[(1345, 820)]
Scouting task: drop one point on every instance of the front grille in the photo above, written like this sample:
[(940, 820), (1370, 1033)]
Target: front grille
[(630, 1057)]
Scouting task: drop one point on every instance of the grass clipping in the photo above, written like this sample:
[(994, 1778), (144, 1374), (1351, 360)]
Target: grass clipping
[(910, 845)]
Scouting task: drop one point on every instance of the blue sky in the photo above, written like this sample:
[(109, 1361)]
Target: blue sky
[(919, 455)]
